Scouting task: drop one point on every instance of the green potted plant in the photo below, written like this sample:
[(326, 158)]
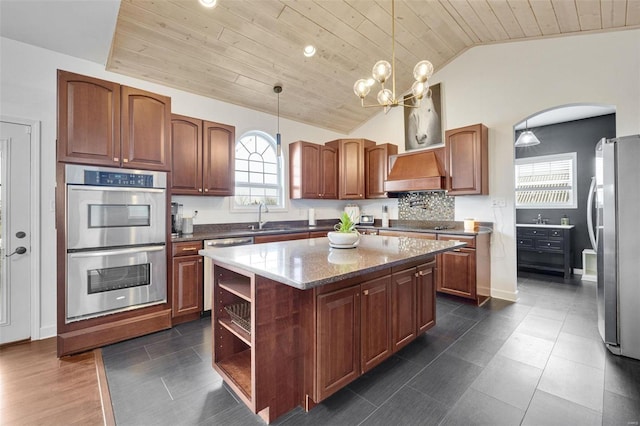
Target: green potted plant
[(345, 235)]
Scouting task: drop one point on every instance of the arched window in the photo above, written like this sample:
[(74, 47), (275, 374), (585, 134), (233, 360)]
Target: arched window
[(258, 171)]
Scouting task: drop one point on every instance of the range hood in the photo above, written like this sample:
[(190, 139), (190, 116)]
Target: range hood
[(416, 171)]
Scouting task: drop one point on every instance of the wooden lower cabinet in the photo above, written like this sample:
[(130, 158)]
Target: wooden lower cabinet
[(404, 308), (426, 296), (375, 320), (187, 284), (338, 340), (457, 273)]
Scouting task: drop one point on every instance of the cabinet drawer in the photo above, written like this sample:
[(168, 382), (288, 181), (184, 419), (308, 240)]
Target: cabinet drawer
[(525, 242), (549, 244), (556, 233), (532, 232), (186, 248), (470, 240)]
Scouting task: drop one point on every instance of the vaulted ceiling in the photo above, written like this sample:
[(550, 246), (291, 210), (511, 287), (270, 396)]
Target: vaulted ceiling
[(238, 50)]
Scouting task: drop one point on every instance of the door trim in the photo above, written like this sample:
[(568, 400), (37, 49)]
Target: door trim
[(34, 226)]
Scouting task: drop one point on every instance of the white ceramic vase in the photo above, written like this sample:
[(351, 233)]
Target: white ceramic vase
[(343, 239)]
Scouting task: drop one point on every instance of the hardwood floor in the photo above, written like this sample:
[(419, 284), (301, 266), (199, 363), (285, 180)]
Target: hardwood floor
[(37, 387)]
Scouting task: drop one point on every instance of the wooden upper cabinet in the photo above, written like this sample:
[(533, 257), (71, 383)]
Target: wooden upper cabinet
[(467, 160), (313, 171), (376, 168), (104, 123), (146, 130), (186, 141), (88, 120), (219, 158), (351, 171), (203, 157)]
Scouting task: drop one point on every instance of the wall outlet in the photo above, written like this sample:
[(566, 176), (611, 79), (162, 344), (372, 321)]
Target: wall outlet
[(498, 202)]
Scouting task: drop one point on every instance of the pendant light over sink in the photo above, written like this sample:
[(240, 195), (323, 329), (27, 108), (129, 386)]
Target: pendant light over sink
[(278, 89), (526, 138)]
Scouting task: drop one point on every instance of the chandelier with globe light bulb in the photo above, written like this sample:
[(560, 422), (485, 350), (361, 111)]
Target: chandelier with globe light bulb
[(383, 70)]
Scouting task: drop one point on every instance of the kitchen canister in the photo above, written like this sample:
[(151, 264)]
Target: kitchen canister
[(187, 225), (470, 225)]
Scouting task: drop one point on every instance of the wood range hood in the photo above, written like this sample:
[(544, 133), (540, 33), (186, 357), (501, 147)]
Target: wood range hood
[(416, 171)]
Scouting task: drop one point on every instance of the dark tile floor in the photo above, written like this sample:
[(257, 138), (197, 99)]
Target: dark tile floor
[(536, 362)]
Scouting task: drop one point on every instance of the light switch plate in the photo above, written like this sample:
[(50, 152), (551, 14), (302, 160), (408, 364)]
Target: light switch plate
[(498, 202)]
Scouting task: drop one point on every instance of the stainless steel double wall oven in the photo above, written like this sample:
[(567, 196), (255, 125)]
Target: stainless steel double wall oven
[(116, 240)]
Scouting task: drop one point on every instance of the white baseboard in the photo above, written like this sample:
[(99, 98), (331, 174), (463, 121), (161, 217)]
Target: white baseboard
[(504, 295), (46, 332)]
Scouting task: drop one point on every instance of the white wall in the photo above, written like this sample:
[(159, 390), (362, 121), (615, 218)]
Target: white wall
[(499, 85)]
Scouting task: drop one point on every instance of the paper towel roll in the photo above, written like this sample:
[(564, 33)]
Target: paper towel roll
[(312, 217)]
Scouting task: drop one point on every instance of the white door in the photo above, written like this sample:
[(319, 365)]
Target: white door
[(15, 241)]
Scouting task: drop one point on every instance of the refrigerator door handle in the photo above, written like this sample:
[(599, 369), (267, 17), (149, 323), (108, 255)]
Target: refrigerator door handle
[(592, 236)]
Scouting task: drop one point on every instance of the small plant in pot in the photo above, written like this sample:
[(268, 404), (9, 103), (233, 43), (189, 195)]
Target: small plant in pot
[(345, 234)]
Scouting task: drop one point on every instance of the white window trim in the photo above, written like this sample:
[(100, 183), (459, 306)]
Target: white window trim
[(233, 207), (573, 156)]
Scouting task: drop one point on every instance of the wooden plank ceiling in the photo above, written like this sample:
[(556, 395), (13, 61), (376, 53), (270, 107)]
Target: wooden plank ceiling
[(238, 50)]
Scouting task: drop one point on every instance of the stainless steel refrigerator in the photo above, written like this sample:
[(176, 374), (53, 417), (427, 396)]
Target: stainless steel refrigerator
[(614, 235)]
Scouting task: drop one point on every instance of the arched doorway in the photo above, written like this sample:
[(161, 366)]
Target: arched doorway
[(568, 135)]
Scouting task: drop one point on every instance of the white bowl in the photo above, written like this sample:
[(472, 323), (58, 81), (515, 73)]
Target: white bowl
[(343, 238)]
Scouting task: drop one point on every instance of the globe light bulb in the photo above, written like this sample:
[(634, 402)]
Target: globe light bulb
[(381, 71), (361, 88), (385, 97), (418, 89), (423, 71)]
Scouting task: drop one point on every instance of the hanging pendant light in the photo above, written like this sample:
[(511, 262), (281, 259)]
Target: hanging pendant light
[(526, 138), (278, 89)]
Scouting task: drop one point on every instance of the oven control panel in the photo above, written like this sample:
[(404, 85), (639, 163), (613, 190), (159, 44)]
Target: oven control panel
[(95, 177)]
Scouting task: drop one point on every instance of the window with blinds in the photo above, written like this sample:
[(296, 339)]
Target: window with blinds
[(547, 181)]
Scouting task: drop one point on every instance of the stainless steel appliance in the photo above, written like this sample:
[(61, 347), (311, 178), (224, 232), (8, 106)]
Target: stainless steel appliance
[(614, 236), (208, 278), (116, 240)]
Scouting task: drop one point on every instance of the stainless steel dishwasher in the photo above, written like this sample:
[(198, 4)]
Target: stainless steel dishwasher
[(208, 279)]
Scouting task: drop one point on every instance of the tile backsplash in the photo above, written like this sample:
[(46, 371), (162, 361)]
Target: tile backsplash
[(426, 206)]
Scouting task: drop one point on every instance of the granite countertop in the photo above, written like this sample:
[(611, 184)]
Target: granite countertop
[(305, 264), (209, 232), (545, 225)]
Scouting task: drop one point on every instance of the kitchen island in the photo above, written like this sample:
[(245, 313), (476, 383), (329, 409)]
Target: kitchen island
[(293, 322)]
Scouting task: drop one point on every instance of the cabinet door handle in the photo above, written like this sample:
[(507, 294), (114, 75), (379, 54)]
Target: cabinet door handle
[(422, 273), (199, 189), (415, 275), (125, 160), (366, 292), (206, 190), (116, 159), (199, 260), (456, 249), (188, 248)]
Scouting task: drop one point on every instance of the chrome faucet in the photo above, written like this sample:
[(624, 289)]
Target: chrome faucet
[(266, 210)]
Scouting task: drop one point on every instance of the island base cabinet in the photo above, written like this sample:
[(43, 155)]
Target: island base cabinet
[(304, 345), (375, 315), (338, 340), (426, 296)]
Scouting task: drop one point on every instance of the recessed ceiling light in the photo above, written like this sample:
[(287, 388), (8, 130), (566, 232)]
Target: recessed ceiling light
[(309, 50), (209, 3)]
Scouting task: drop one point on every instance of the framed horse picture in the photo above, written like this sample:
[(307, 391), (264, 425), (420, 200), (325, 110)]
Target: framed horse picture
[(423, 125)]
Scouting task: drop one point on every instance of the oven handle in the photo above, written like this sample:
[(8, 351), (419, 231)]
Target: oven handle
[(114, 188), (116, 251)]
